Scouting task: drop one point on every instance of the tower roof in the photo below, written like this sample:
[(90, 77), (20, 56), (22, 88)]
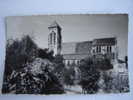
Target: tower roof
[(54, 24)]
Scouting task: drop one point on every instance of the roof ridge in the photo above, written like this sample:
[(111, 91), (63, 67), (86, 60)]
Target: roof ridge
[(104, 38), (76, 42)]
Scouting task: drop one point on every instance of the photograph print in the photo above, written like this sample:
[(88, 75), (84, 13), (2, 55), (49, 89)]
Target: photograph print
[(66, 54)]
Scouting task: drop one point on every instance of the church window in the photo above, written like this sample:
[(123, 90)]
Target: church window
[(78, 62), (93, 50), (110, 49), (50, 38), (97, 49), (107, 48), (54, 38)]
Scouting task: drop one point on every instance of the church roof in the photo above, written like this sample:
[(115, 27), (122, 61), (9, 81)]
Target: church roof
[(83, 47), (104, 41), (76, 47), (54, 24), (68, 47), (81, 50)]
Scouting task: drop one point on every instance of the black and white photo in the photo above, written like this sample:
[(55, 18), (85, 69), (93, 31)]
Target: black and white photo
[(66, 54)]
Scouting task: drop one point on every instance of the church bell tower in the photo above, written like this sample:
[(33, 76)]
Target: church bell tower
[(55, 38)]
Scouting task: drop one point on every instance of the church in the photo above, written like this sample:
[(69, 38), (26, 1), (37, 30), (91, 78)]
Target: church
[(74, 52)]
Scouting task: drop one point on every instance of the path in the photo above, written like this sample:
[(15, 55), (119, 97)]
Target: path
[(73, 89)]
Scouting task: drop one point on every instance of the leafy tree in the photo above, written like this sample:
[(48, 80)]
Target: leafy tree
[(25, 73), (89, 76), (69, 76), (27, 81), (107, 77), (45, 54), (103, 64), (18, 53), (59, 67)]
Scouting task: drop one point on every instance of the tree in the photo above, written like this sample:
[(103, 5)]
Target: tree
[(18, 53), (107, 77), (28, 69), (89, 75), (69, 76), (45, 54), (103, 64), (32, 80), (59, 67)]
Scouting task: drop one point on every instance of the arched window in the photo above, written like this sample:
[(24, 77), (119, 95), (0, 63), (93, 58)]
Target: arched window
[(110, 49), (107, 48), (50, 38), (99, 48), (54, 37)]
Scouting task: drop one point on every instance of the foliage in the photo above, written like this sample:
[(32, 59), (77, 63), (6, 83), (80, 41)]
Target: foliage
[(59, 67), (69, 76), (114, 80), (65, 75), (107, 81), (31, 70), (20, 51), (27, 81), (103, 64), (44, 53), (89, 76), (28, 69)]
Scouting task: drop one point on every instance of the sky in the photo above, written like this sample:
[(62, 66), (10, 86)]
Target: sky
[(76, 27)]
